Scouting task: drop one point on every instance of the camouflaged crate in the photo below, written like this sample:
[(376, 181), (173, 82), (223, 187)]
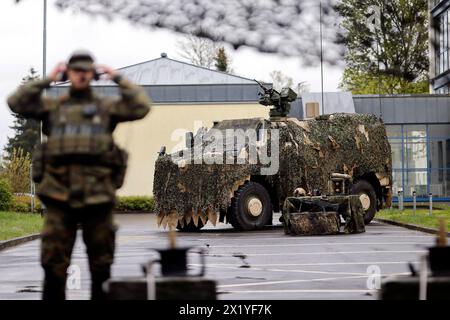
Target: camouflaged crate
[(313, 223)]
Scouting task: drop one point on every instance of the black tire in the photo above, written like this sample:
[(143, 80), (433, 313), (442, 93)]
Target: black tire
[(191, 227), (363, 187), (239, 215)]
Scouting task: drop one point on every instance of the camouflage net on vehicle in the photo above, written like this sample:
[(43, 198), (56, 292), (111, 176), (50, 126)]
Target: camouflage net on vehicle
[(342, 143), (309, 152), (193, 192)]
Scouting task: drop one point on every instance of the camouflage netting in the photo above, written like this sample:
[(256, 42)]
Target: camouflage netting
[(320, 215), (312, 150), (309, 152), (195, 191)]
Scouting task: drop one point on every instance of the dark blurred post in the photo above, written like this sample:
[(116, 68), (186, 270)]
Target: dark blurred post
[(414, 194)]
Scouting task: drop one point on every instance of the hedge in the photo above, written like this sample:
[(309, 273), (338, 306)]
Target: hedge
[(142, 204), (6, 196), (22, 203)]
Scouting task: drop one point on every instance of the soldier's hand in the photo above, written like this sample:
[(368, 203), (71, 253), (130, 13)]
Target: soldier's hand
[(57, 71), (103, 69)]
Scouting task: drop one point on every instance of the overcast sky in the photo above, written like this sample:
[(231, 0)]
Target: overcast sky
[(116, 43)]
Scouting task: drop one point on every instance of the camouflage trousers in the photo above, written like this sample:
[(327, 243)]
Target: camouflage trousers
[(58, 238)]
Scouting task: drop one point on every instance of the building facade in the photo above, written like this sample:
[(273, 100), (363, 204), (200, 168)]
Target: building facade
[(418, 128)]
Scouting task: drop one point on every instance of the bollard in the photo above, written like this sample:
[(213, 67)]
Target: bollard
[(400, 200), (431, 203), (414, 195)]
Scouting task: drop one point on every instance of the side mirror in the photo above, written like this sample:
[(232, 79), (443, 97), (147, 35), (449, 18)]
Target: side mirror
[(189, 140)]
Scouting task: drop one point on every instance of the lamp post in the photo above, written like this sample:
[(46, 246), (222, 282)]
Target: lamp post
[(44, 56), (321, 55), (44, 47)]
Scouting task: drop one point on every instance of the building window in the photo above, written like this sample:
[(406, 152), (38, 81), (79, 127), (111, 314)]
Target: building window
[(420, 160), (442, 37)]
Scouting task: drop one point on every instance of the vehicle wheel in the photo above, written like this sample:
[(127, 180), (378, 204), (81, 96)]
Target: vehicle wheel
[(250, 208), (191, 226), (368, 198)]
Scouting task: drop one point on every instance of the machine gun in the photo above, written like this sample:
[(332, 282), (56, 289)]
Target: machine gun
[(281, 101)]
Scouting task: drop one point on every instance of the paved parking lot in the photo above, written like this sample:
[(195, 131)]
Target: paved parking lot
[(253, 265)]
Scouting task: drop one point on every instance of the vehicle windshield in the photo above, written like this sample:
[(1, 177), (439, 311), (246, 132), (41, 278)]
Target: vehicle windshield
[(234, 134)]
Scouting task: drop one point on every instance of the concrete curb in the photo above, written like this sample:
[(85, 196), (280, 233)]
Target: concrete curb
[(17, 241), (410, 226)]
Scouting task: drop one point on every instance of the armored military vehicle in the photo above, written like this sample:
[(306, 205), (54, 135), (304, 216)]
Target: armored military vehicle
[(216, 178)]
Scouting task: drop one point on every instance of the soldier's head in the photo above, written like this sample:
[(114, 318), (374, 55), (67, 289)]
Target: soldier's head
[(80, 69)]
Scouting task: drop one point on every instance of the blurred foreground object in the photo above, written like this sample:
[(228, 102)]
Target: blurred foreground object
[(287, 27), (432, 282), (175, 282)]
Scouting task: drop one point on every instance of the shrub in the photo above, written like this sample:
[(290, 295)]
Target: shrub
[(22, 203), (6, 197), (145, 204), (17, 171), (20, 207)]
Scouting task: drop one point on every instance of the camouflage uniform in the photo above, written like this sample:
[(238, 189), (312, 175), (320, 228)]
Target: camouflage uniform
[(78, 170)]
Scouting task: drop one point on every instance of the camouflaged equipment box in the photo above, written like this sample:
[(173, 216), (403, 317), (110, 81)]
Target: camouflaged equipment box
[(188, 195), (320, 215)]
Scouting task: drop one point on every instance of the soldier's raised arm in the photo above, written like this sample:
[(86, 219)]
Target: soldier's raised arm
[(28, 101), (134, 104)]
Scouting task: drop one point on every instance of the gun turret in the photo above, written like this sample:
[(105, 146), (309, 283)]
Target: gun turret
[(281, 101)]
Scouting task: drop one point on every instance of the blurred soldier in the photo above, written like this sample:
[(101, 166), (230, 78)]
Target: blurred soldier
[(79, 168)]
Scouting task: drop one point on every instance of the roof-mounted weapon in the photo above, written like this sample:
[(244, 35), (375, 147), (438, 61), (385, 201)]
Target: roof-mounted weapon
[(281, 101)]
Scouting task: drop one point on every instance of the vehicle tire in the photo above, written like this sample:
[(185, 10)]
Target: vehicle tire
[(368, 198), (250, 208), (191, 226)]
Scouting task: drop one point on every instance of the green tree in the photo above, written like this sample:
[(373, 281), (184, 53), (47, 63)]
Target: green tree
[(26, 131), (387, 46), (222, 61)]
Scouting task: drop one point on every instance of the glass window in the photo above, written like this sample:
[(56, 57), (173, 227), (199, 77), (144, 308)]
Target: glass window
[(440, 183), (416, 155), (443, 43), (438, 155), (439, 130), (415, 132), (426, 159), (396, 152), (394, 131), (416, 181), (397, 181)]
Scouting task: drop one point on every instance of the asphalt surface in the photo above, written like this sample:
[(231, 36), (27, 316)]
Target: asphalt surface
[(247, 265)]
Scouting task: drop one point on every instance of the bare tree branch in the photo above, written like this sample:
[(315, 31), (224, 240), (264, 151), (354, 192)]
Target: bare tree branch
[(198, 51)]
